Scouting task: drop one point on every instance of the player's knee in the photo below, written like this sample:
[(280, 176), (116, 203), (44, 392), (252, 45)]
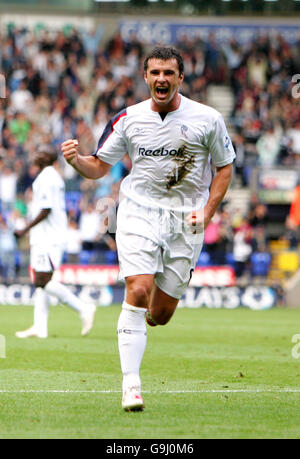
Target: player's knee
[(140, 294)]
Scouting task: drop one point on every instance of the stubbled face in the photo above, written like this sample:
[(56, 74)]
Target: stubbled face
[(163, 80)]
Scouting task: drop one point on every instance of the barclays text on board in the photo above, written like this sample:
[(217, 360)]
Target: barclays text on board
[(253, 297), (166, 33)]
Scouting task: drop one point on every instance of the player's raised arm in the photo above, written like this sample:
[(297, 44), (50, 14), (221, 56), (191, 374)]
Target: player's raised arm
[(88, 166)]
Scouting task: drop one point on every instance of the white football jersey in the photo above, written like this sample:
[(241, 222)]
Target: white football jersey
[(172, 158), (49, 193)]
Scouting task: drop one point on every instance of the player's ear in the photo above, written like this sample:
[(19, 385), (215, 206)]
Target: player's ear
[(145, 77)]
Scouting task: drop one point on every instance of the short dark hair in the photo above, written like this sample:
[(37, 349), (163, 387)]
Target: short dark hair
[(164, 53), (49, 151)]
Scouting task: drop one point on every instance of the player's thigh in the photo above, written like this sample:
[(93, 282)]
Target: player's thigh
[(180, 256), (45, 259), (138, 241), (137, 255)]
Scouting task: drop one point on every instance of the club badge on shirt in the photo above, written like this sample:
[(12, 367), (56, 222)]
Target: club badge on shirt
[(227, 142)]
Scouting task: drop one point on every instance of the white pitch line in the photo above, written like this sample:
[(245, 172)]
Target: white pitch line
[(201, 391)]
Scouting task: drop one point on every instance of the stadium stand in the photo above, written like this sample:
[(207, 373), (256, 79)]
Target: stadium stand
[(59, 87)]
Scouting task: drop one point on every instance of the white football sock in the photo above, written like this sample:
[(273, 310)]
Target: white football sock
[(41, 311), (132, 340), (64, 295)]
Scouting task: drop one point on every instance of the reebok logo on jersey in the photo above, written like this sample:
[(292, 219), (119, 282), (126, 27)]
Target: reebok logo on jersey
[(161, 152)]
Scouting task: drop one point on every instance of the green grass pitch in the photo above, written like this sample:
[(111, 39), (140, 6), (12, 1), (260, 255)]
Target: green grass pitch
[(207, 374)]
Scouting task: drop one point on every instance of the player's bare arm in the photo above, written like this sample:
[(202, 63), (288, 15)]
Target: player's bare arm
[(219, 186), (87, 166), (40, 217)]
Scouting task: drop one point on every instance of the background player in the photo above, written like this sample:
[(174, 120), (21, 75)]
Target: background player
[(48, 229), (169, 194)]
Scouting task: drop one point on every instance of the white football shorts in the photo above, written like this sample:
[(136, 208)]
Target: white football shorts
[(157, 241), (46, 258)]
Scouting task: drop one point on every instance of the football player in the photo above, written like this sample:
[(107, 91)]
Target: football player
[(48, 229), (168, 199)]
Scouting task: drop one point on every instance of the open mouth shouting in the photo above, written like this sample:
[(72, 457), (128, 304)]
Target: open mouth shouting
[(161, 92)]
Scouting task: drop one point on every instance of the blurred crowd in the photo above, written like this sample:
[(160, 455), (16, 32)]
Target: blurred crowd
[(67, 84), (266, 114)]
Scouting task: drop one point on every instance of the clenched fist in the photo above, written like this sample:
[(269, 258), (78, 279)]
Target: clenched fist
[(69, 149)]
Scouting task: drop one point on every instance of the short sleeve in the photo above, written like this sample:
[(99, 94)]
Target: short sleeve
[(219, 144), (112, 144)]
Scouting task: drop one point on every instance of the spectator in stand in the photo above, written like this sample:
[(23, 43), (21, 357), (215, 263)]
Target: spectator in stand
[(215, 68), (257, 69), (242, 247), (258, 215), (93, 228), (91, 40), (22, 99), (268, 146), (2, 162), (26, 177), (218, 237), (20, 205), (291, 233), (74, 241), (212, 238), (225, 244), (20, 127), (51, 78), (240, 150), (234, 56), (85, 134), (8, 188), (293, 134), (84, 106), (294, 214), (89, 226), (7, 251), (259, 219)]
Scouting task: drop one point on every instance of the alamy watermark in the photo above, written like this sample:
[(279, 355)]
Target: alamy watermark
[(296, 349), (2, 347), (296, 87), (176, 220)]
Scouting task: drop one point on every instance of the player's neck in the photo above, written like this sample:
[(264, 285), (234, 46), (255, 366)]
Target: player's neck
[(171, 106)]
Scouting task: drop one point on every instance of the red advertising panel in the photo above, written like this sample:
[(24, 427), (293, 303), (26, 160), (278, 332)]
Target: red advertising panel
[(100, 275)]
